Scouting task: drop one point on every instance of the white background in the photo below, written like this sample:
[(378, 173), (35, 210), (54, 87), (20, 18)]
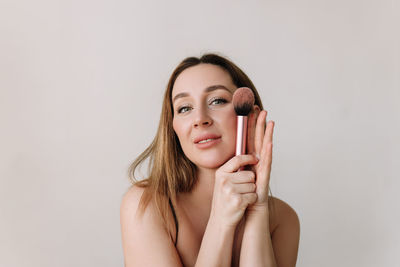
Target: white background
[(81, 85)]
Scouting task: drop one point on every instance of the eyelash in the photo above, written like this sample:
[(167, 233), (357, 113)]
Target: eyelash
[(220, 99)]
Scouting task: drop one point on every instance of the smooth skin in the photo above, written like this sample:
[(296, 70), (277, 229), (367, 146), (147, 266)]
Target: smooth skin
[(223, 195)]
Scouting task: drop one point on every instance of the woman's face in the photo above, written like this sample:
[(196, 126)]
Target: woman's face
[(204, 118)]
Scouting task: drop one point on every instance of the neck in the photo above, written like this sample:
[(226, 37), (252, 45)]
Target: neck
[(200, 198), (204, 188)]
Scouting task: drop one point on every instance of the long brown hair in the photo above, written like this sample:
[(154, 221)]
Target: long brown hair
[(170, 171)]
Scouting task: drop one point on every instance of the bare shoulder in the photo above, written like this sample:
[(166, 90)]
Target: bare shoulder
[(283, 212), (144, 236), (131, 199), (286, 233)]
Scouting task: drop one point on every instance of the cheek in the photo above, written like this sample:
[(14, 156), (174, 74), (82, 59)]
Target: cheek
[(175, 126), (179, 128), (230, 121), (227, 125)]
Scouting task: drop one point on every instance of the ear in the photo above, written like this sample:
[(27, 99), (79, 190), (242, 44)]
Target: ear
[(256, 109)]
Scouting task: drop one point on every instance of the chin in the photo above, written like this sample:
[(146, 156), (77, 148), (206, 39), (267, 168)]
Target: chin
[(212, 161)]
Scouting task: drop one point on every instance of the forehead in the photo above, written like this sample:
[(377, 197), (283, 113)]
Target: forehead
[(201, 76)]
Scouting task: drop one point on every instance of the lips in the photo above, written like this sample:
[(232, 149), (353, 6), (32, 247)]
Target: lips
[(204, 138)]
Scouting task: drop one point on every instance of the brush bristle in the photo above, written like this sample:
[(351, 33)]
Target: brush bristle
[(243, 101)]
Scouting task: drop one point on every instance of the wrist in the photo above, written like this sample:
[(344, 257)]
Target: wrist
[(257, 213), (261, 209)]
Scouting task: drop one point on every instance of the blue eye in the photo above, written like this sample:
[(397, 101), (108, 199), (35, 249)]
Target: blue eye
[(218, 101), (184, 109)]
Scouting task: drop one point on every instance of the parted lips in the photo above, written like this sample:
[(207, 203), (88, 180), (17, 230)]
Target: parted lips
[(243, 101)]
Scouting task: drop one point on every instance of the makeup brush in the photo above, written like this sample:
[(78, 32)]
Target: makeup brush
[(243, 102)]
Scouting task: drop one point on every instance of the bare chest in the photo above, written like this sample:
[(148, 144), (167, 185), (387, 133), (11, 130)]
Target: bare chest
[(192, 225), (190, 238)]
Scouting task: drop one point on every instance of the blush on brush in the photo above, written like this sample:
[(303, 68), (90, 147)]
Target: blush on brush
[(243, 101)]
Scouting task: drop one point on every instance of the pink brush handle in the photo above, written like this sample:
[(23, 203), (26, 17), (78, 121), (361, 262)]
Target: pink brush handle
[(241, 136)]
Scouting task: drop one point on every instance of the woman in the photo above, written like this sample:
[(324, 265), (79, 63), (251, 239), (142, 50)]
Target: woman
[(196, 208)]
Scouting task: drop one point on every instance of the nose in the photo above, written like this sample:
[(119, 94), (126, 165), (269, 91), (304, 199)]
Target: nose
[(202, 118)]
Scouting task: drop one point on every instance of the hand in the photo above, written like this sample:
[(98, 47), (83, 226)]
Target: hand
[(233, 190), (259, 143)]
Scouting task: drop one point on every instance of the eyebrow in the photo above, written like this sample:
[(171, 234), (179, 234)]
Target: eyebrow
[(207, 90)]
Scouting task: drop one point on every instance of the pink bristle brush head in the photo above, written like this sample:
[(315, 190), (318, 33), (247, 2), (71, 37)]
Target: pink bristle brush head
[(243, 102)]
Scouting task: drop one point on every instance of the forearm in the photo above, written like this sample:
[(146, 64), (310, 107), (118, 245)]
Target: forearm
[(256, 249), (216, 246)]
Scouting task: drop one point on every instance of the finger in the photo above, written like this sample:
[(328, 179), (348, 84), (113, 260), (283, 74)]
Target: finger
[(267, 144), (259, 133), (270, 131), (244, 188), (266, 159), (250, 198), (251, 127), (243, 177), (250, 134), (238, 161)]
